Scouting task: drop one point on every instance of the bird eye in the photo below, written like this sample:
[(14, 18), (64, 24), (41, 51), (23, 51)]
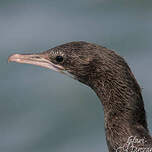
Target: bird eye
[(59, 58)]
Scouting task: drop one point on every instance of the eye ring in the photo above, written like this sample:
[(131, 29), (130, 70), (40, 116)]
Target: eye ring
[(59, 58)]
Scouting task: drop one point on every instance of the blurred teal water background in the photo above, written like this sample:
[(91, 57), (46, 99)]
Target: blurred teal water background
[(44, 111)]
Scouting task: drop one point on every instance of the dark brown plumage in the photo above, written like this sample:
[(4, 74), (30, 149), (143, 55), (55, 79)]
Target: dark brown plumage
[(111, 78)]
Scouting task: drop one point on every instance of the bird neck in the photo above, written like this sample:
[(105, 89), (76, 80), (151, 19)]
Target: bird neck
[(123, 106)]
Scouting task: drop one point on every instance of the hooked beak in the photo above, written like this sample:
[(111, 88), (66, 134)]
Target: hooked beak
[(39, 59)]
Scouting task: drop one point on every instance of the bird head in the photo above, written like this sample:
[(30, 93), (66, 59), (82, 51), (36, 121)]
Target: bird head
[(72, 58), (81, 60)]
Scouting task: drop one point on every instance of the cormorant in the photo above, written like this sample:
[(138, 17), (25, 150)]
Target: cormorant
[(111, 78)]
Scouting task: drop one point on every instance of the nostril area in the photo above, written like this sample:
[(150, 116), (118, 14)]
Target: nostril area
[(35, 57)]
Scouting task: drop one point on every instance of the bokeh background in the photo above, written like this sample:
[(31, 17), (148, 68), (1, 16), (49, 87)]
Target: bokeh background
[(44, 111)]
